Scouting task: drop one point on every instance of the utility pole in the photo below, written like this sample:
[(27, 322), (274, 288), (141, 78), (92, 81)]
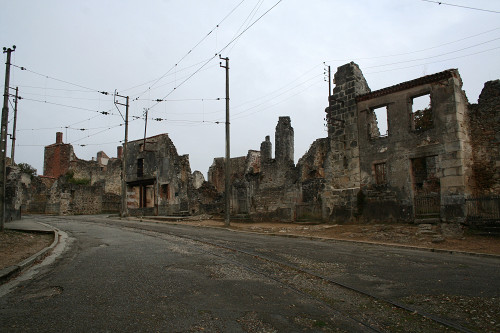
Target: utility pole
[(3, 148), (329, 73), (329, 82), (124, 209), (13, 149), (227, 172)]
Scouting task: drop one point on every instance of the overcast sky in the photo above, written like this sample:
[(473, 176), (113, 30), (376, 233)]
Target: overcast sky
[(151, 50)]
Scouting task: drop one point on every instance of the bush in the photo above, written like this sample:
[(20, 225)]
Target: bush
[(27, 169), (70, 178)]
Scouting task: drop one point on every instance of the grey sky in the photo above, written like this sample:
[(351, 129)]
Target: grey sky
[(276, 65)]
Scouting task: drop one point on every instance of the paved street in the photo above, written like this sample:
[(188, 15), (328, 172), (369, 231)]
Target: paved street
[(134, 276)]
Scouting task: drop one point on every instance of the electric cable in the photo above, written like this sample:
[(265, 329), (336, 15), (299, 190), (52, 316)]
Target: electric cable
[(437, 61), (416, 51), (218, 53), (466, 7), (59, 80), (435, 56), (71, 106), (194, 47)]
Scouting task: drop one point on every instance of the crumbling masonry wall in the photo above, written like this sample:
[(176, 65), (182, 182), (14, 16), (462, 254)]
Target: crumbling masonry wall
[(342, 165), (484, 120), (392, 165), (159, 180)]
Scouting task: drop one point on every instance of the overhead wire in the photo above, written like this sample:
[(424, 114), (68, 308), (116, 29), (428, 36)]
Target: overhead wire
[(241, 115), (179, 70), (59, 80), (248, 19), (71, 106), (193, 48), (416, 51), (466, 7), (218, 53), (437, 61), (435, 56)]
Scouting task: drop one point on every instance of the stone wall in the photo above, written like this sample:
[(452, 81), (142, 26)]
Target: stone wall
[(388, 163), (159, 180), (342, 165), (484, 120)]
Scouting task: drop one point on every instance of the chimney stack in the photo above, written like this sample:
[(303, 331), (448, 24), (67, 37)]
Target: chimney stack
[(59, 137), (119, 152)]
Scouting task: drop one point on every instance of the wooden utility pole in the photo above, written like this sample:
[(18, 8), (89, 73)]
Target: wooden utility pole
[(124, 208), (3, 148), (227, 185), (13, 149)]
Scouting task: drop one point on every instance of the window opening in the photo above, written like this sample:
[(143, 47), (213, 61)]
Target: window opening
[(421, 113), (380, 173), (140, 167), (425, 174), (377, 122), (165, 191)]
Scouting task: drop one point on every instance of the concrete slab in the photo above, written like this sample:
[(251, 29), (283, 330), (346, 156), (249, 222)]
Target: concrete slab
[(28, 225)]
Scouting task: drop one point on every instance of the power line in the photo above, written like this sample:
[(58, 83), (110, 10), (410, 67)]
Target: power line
[(220, 51), (65, 97), (277, 103), (180, 100), (194, 47), (435, 56), (251, 25), (178, 71), (94, 134), (59, 80), (433, 62), (416, 51), (466, 7), (70, 106), (60, 89), (249, 18)]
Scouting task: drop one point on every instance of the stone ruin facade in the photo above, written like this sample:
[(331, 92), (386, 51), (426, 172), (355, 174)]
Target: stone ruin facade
[(386, 158)]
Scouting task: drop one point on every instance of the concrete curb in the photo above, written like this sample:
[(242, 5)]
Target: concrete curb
[(401, 246), (8, 272)]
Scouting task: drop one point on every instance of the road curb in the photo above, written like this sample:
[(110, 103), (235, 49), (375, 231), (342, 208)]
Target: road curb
[(401, 246), (8, 272)]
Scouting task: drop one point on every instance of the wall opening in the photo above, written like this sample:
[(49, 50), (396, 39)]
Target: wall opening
[(165, 191), (377, 122), (426, 187), (140, 167), (380, 173), (421, 113)]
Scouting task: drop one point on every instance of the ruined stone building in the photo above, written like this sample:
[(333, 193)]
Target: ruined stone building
[(386, 158), (69, 185), (158, 178), (410, 152)]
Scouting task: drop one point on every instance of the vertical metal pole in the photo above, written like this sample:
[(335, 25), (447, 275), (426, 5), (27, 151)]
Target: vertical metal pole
[(227, 173), (3, 148), (13, 149), (125, 150), (329, 82), (124, 208)]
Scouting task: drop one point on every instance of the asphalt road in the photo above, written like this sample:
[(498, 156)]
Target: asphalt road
[(134, 276)]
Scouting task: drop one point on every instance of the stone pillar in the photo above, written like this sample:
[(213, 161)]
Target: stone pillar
[(266, 149), (342, 166), (284, 140)]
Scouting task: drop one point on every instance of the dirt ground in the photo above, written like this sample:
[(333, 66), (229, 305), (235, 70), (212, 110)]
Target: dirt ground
[(15, 246), (444, 237)]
